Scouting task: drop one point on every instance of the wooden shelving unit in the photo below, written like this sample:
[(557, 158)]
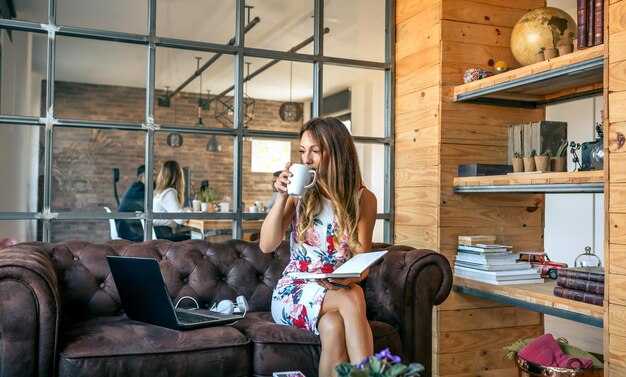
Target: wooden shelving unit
[(536, 297), (561, 182), (566, 77)]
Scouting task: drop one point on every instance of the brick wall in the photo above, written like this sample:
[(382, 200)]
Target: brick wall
[(83, 159)]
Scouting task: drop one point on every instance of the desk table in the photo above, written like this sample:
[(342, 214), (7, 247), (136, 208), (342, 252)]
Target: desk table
[(220, 230)]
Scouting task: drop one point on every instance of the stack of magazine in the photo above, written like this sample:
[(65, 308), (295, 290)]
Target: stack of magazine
[(478, 258)]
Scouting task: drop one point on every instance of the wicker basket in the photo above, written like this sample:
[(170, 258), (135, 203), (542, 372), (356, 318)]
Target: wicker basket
[(527, 369)]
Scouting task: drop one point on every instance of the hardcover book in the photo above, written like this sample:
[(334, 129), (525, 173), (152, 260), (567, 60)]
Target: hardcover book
[(581, 24), (582, 296), (473, 240), (589, 27), (581, 285), (584, 273), (598, 22), (490, 258)]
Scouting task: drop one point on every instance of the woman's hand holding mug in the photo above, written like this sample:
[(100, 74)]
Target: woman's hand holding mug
[(283, 179)]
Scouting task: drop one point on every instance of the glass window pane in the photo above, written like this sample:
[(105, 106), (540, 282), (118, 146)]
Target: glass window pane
[(83, 161), (251, 230), (20, 92), (128, 16), (372, 163), (173, 68), (211, 230), (22, 179), (34, 11), (284, 25), (261, 158), (282, 94), (379, 231), (357, 96), (87, 230), (19, 231), (91, 84), (202, 167), (204, 21), (357, 29)]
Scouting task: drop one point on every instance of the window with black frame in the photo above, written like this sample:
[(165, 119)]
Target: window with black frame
[(99, 102)]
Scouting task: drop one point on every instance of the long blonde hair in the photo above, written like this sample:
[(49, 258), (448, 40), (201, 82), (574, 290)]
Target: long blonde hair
[(171, 176), (340, 180)]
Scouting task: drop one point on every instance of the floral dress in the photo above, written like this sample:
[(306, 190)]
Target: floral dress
[(297, 302)]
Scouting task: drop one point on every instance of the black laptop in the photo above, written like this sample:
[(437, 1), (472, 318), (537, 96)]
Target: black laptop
[(144, 297)]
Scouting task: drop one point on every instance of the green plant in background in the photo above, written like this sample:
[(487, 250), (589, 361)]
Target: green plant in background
[(541, 50), (562, 149), (547, 152), (517, 155), (208, 195), (533, 153), (382, 364)]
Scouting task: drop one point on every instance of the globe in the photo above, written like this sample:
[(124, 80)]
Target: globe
[(541, 28)]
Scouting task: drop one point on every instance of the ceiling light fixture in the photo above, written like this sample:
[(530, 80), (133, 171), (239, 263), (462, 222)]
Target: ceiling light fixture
[(290, 111), (213, 145), (201, 103), (225, 110)]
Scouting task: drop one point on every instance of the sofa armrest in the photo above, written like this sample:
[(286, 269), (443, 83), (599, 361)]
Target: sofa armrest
[(29, 312), (402, 291)]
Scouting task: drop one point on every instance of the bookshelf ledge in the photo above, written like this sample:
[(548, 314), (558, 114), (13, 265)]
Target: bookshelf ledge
[(535, 297), (566, 77), (562, 182)]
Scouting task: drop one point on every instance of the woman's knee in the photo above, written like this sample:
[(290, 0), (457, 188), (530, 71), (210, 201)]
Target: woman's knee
[(331, 325)]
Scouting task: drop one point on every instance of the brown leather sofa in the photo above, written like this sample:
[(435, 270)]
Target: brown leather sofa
[(60, 314)]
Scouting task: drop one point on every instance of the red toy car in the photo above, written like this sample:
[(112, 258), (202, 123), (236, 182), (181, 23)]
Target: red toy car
[(539, 260)]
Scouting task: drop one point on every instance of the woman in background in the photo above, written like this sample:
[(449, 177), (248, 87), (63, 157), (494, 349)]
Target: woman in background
[(332, 221), (169, 197)]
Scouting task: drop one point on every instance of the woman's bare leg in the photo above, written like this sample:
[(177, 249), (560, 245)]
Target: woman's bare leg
[(350, 304), (332, 335)]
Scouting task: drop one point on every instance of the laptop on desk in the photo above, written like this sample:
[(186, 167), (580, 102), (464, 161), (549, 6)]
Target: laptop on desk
[(145, 298)]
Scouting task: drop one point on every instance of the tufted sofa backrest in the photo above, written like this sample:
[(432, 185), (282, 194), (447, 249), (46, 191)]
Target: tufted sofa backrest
[(206, 271)]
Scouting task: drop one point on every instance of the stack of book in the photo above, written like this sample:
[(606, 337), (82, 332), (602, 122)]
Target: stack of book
[(478, 258), (585, 284), (590, 25)]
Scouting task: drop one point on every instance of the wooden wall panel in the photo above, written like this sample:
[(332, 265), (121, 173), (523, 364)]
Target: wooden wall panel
[(406, 9), (616, 136), (417, 176), (617, 259), (423, 237), (417, 80), (488, 12), (488, 35), (427, 98), (617, 104), (418, 32), (617, 75), (617, 18), (459, 113)]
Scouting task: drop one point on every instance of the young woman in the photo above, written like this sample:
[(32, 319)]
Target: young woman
[(169, 197), (332, 221)]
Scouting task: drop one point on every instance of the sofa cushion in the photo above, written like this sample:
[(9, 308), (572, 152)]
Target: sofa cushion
[(279, 348), (118, 346)]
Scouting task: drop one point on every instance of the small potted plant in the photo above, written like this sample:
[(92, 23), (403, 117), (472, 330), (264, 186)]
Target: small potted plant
[(208, 197), (529, 162), (518, 162), (542, 163), (559, 161), (539, 56), (550, 53), (382, 364)]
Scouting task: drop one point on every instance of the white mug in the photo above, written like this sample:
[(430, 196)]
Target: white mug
[(204, 206), (196, 205), (300, 179)]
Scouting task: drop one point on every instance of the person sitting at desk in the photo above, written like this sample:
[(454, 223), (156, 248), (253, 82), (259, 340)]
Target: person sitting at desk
[(169, 197), (132, 201)]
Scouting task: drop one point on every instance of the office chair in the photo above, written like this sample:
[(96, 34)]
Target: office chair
[(112, 227)]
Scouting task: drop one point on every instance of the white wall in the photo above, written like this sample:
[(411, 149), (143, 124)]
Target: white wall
[(573, 221), (18, 144)]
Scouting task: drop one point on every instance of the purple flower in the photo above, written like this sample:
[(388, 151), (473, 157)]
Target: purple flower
[(385, 354), (363, 363)]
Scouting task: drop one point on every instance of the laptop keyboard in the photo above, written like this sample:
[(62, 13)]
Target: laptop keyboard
[(185, 317)]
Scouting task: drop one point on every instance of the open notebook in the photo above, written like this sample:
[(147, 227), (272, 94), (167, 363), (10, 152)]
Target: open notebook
[(353, 268)]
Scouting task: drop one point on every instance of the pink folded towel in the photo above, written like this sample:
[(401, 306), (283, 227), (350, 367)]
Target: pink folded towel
[(546, 351)]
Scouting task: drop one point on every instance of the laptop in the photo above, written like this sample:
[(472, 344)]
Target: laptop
[(144, 297)]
